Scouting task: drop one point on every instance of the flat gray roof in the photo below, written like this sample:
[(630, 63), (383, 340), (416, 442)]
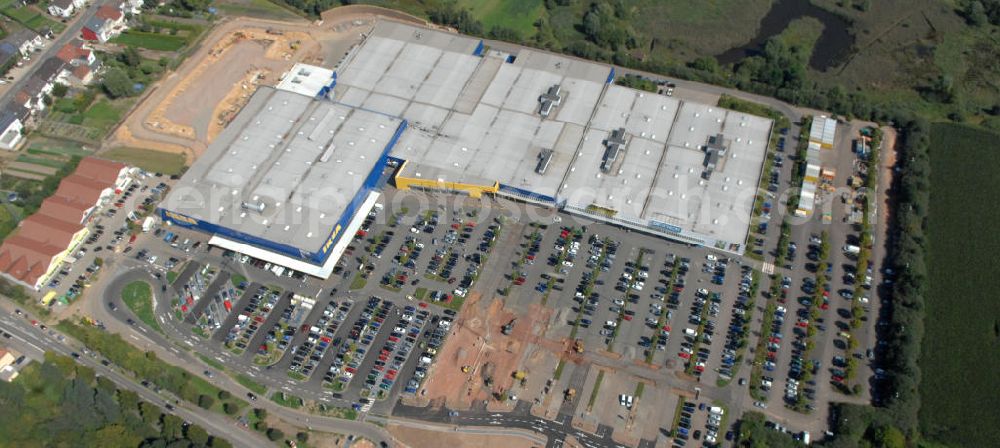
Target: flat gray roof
[(303, 159), (475, 119)]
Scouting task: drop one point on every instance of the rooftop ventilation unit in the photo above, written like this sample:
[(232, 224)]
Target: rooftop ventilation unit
[(544, 158), (714, 150), (549, 100), (615, 144), (253, 206)]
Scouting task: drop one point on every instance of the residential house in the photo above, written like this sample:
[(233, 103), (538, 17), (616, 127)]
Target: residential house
[(12, 120), (44, 240), (25, 40), (133, 7), (82, 65), (108, 22), (8, 364), (40, 84), (64, 8), (9, 55)]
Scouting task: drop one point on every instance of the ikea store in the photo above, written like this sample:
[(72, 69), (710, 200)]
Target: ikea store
[(292, 178)]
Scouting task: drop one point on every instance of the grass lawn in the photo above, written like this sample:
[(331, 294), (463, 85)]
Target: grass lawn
[(597, 388), (420, 293), (559, 369), (138, 296), (238, 279), (961, 348), (151, 41), (212, 363), (249, 383), (148, 159), (358, 282), (256, 8), (52, 163), (518, 15), (32, 18), (287, 400), (171, 276), (105, 113), (7, 222)]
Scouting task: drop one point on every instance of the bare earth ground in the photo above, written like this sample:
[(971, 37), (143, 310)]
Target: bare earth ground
[(187, 109), (418, 438)]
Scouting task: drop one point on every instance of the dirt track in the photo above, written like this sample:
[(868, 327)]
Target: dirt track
[(181, 114)]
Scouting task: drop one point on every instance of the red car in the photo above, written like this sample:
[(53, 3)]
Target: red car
[(422, 304), (684, 355), (627, 317), (838, 379), (776, 340)]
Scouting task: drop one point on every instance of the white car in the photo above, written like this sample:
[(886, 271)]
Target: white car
[(760, 404), (711, 257)]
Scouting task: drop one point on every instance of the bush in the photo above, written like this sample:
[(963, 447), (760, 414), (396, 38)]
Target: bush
[(230, 409), (205, 401), (224, 395), (302, 437)]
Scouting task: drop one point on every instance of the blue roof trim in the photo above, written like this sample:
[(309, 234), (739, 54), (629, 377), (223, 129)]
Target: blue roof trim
[(479, 49)]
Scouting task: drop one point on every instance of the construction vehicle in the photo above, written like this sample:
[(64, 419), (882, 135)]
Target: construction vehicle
[(570, 393), (520, 375), (465, 369), (578, 346), (508, 327)]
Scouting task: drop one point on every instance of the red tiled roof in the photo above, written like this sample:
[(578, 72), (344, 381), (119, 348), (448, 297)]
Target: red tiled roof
[(81, 72), (27, 254), (108, 12), (72, 51), (104, 171)]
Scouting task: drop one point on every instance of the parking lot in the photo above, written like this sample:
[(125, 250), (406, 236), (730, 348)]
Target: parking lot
[(374, 330)]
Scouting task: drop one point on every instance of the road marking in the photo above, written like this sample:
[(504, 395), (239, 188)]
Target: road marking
[(133, 337), (768, 268)]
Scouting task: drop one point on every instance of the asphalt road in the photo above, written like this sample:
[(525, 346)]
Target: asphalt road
[(556, 431)]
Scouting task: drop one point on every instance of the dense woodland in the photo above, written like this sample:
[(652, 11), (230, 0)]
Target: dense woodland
[(62, 404)]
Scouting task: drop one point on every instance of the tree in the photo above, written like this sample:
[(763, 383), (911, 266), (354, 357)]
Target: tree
[(224, 395), (116, 83), (59, 90), (130, 57), (975, 13), (205, 401), (230, 408), (197, 435), (302, 437), (274, 434)]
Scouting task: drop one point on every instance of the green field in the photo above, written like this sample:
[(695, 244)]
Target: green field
[(256, 8), (517, 15), (151, 41), (147, 159), (138, 296), (961, 347), (32, 18)]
